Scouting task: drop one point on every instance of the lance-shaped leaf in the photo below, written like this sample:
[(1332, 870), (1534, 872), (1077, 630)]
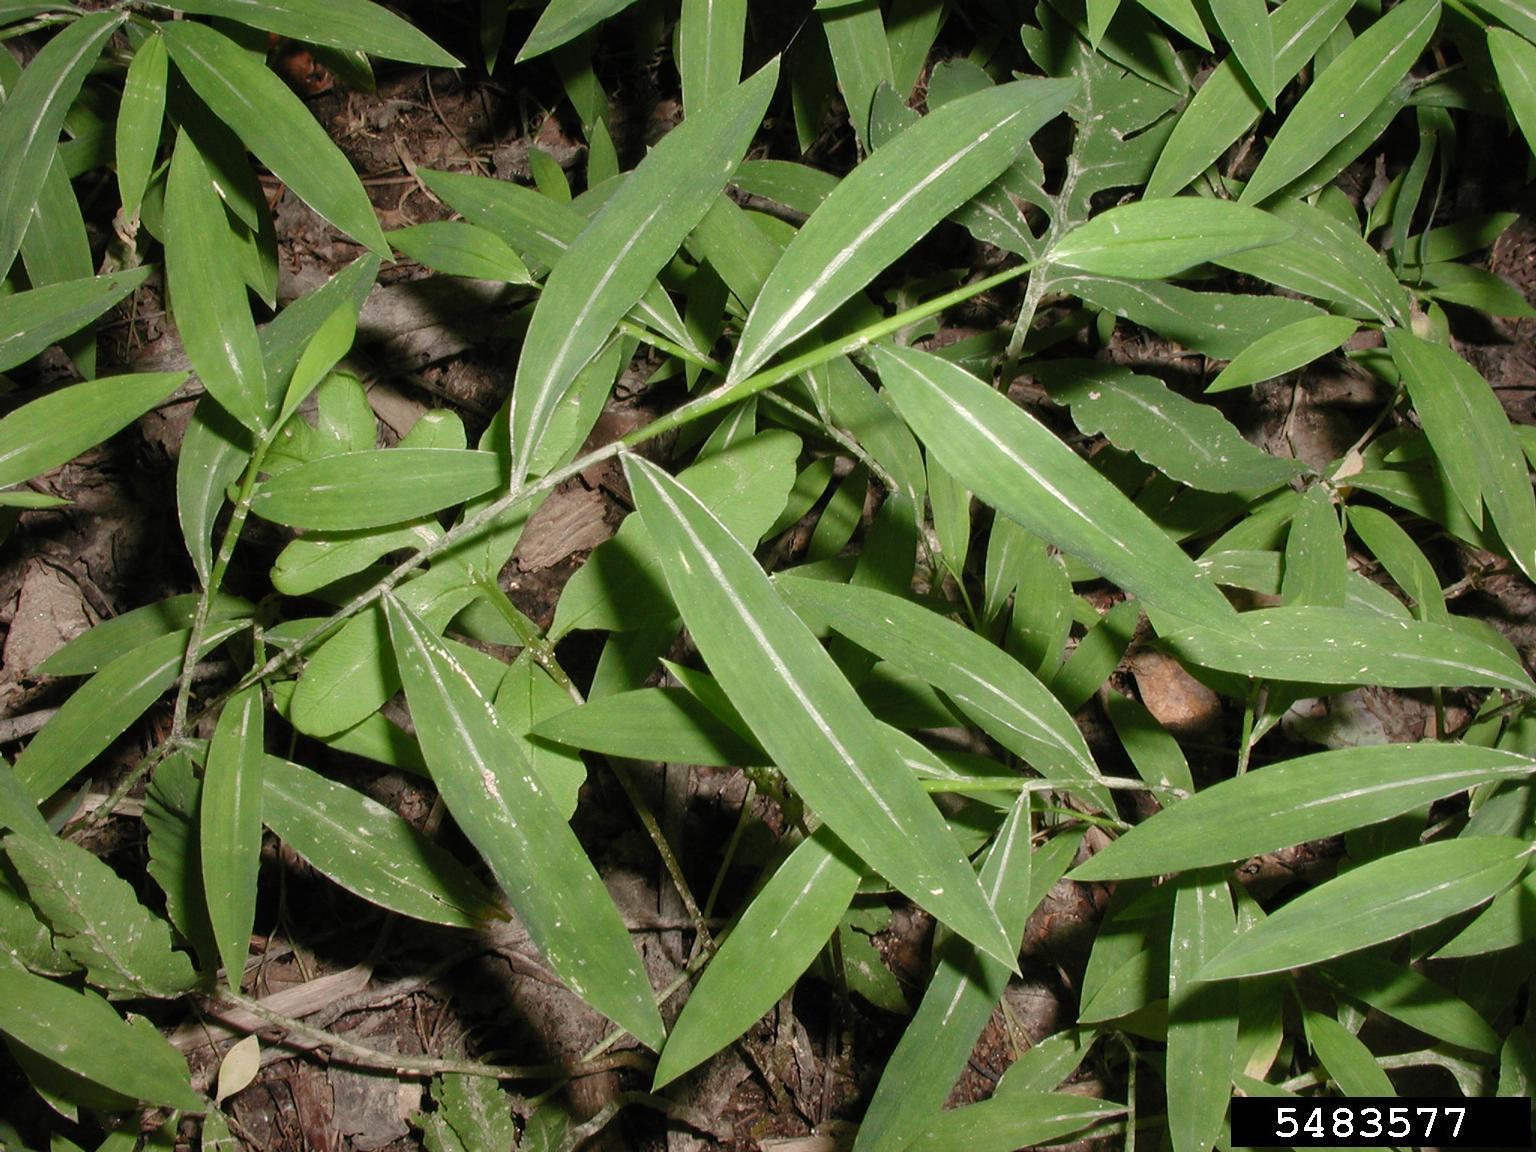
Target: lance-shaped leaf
[(540, 230), (1298, 800), (964, 991), (1150, 239), (1227, 104), (665, 724), (139, 121), (350, 25), (1344, 96), (1026, 472), (1182, 438), (710, 38), (1340, 646), (564, 20), (33, 115), (1514, 58), (56, 428), (1277, 353), (96, 919), (30, 321), (103, 707), (515, 823), (1202, 1019), (991, 687), (888, 203), (1503, 924), (368, 849), (805, 713), (1475, 446), (461, 249), (373, 488), (207, 293), (615, 259), (80, 1032), (229, 823), (771, 945), (1246, 26), (1023, 1120), (1415, 999), (274, 123), (1379, 901)]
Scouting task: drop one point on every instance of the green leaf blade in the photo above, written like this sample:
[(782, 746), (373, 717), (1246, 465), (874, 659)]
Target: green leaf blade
[(805, 713), (371, 489), (1307, 798), (609, 266), (1345, 95), (774, 941), (1379, 901), (888, 203), (515, 824), (1337, 646), (229, 821), (54, 429), (273, 123), (369, 850), (1152, 239), (349, 25), (993, 688), (34, 114), (207, 293), (139, 122), (1015, 464), (81, 1032)]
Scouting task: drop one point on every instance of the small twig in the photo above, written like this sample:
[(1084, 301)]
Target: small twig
[(15, 727), (346, 1052)]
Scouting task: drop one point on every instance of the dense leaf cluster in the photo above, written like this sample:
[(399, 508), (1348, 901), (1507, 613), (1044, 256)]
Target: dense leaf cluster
[(955, 535)]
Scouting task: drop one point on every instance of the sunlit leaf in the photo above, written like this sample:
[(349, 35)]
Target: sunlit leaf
[(774, 941), (888, 203), (229, 823), (1018, 466), (58, 427), (1294, 801), (804, 712), (274, 123), (1343, 97), (1151, 239), (368, 849), (1384, 899), (515, 824)]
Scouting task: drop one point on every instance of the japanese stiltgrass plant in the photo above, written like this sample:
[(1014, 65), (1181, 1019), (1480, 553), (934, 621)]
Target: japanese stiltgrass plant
[(790, 313)]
